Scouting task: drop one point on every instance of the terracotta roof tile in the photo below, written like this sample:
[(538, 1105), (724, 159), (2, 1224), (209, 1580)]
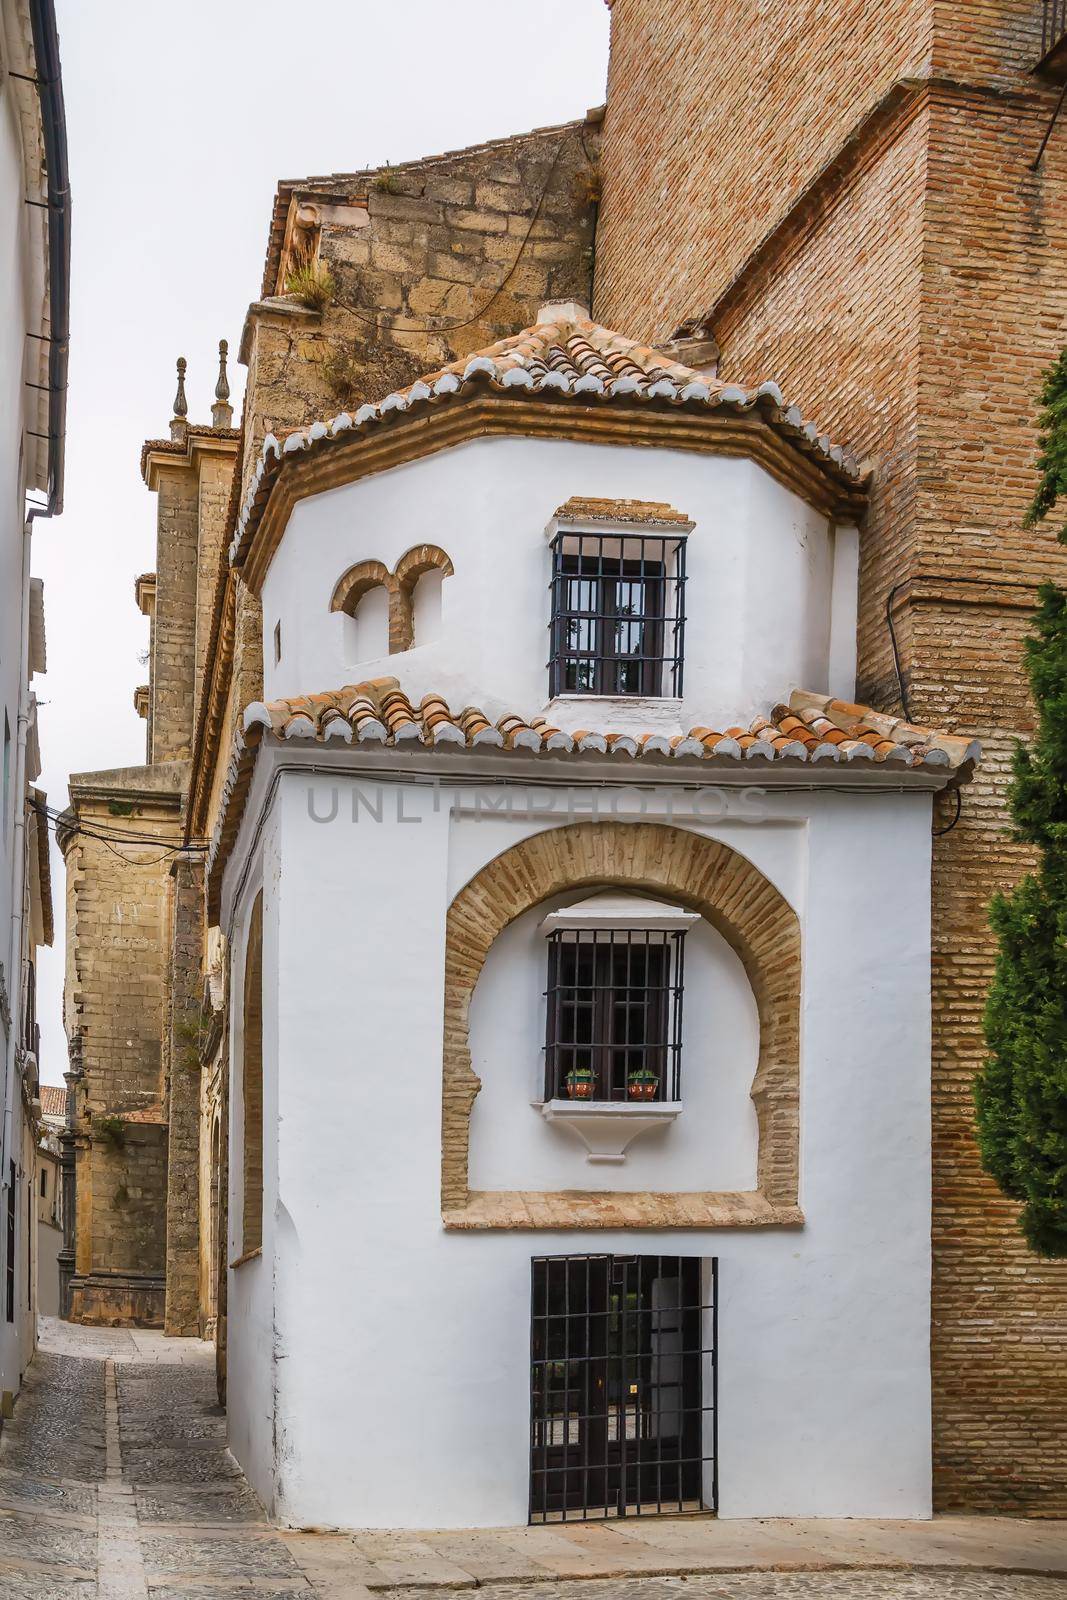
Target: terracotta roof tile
[(571, 355), (811, 730), (53, 1100), (808, 726)]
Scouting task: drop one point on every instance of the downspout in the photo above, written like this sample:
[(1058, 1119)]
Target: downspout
[(49, 86), (54, 128)]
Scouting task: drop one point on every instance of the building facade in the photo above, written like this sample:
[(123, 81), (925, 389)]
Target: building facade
[(896, 239), (49, 1188), (553, 895), (34, 274), (885, 251)]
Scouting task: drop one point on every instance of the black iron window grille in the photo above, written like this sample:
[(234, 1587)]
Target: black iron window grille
[(618, 614), (614, 1028), (622, 1386), (1053, 25)]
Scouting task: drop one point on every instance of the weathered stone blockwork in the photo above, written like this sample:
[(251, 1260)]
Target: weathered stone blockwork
[(118, 913), (878, 242), (431, 260)]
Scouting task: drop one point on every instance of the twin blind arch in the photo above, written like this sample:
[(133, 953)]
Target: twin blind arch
[(399, 586)]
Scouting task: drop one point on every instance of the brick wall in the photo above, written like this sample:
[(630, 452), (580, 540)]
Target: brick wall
[(718, 116), (881, 247)]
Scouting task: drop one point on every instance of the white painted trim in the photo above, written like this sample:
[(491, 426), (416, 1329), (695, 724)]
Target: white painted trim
[(844, 612), (607, 1128), (620, 911)]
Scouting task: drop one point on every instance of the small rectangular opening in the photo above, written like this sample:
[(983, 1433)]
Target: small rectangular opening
[(277, 642)]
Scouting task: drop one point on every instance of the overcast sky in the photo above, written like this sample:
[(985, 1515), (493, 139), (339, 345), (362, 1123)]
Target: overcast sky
[(181, 119)]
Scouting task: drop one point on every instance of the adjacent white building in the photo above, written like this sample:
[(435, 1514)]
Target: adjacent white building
[(34, 221), (580, 989)]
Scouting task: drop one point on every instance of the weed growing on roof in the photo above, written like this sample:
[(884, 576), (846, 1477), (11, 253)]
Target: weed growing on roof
[(312, 283)]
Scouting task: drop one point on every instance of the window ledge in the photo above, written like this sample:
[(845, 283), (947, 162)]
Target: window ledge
[(608, 1128)]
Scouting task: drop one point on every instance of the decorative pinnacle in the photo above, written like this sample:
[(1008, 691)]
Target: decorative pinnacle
[(222, 388), (181, 404)]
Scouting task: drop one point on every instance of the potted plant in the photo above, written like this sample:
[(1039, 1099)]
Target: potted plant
[(642, 1084), (580, 1083)]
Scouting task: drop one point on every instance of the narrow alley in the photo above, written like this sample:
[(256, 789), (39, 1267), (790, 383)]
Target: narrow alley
[(116, 1484)]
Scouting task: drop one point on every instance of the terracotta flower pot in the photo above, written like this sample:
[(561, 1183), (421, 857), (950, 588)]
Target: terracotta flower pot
[(580, 1088), (642, 1088)]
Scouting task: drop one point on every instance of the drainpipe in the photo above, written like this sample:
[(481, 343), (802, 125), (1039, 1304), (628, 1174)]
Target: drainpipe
[(54, 129)]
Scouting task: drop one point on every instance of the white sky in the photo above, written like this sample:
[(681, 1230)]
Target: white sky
[(181, 119)]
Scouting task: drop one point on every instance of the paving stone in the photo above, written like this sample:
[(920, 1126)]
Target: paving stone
[(53, 1495), (852, 1585), (170, 1502), (116, 1463), (19, 1586), (241, 1557), (257, 1591), (46, 1539)]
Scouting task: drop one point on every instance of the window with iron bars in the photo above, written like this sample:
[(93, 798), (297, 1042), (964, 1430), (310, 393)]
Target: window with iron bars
[(622, 1387), (1053, 26), (618, 614), (614, 1014)]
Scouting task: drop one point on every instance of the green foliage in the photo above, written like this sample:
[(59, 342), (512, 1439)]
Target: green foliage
[(1021, 1091), (1052, 462), (387, 182), (313, 284), (113, 1129)]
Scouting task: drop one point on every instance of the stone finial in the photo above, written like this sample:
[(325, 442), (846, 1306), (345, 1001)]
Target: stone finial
[(181, 405), (222, 411)]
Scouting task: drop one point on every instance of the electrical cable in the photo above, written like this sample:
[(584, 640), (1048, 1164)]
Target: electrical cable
[(452, 327), (52, 818)]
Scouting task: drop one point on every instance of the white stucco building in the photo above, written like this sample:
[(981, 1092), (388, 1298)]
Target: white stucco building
[(34, 272), (580, 988)]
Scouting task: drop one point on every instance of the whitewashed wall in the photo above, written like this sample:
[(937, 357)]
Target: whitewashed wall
[(250, 1326), (712, 1145), (760, 591), (400, 1359), (21, 291)]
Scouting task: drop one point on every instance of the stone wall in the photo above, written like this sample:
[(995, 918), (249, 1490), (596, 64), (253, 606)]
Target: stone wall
[(431, 260), (118, 912), (174, 625), (879, 244), (182, 1030)]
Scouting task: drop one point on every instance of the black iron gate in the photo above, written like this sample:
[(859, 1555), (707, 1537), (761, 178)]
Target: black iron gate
[(622, 1386)]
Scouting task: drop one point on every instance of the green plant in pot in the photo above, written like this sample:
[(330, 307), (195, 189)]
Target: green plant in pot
[(580, 1083), (642, 1084)]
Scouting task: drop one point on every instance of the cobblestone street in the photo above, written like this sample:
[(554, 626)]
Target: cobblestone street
[(116, 1484)]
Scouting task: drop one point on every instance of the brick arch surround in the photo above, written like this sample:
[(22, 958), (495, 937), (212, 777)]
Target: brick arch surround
[(755, 920)]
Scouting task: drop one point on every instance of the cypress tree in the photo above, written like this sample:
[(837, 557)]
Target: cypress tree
[(1021, 1091), (1052, 462)]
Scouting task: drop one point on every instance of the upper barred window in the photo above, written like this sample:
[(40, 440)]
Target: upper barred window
[(618, 613), (614, 1012)]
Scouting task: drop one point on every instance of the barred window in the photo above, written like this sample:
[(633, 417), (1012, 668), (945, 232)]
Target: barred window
[(618, 615), (614, 1001)]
